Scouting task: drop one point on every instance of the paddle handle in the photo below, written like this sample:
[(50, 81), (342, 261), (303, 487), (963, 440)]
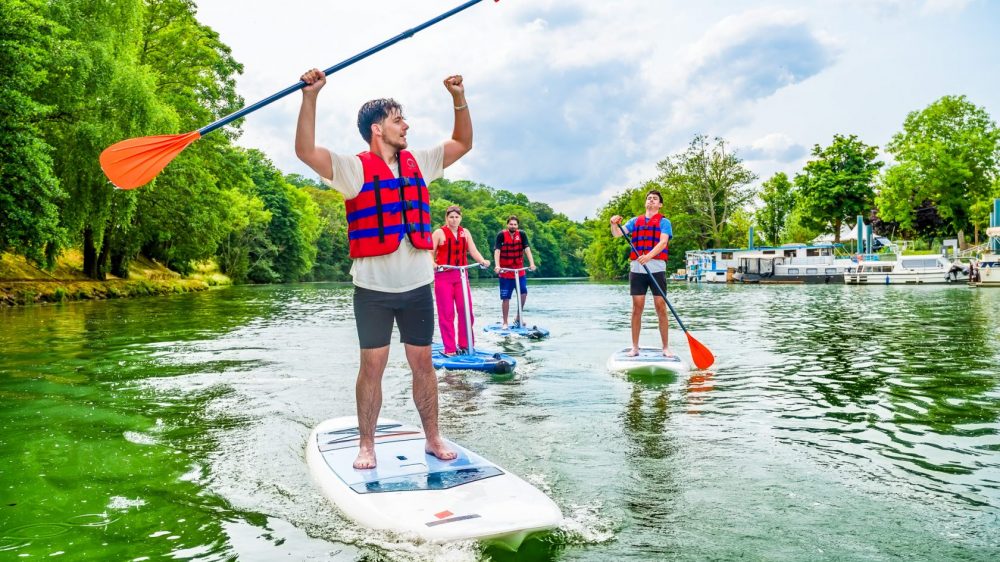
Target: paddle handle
[(627, 236), (339, 66)]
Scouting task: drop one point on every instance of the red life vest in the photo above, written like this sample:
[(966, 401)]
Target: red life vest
[(454, 250), (511, 253), (388, 208), (646, 235)]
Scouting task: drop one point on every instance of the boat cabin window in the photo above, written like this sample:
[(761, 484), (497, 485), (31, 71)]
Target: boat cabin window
[(831, 271), (812, 252), (811, 271), (919, 263), (790, 253), (727, 255), (793, 271), (768, 252)]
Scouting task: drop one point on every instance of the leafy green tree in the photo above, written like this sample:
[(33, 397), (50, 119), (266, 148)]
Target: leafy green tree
[(101, 94), (710, 183), (294, 225), (778, 196), (30, 193), (332, 262), (837, 184), (946, 160)]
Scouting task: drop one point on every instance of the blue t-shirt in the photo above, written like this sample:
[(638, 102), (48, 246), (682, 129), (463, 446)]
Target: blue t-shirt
[(655, 266)]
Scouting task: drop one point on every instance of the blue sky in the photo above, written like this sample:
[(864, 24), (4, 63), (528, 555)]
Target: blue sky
[(574, 101)]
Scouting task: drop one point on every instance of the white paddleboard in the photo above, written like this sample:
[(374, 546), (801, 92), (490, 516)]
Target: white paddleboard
[(413, 493), (650, 361)]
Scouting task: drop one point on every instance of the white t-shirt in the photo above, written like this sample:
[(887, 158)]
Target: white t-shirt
[(407, 268)]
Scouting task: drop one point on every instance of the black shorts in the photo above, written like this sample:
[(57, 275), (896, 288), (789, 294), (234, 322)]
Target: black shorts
[(375, 311), (639, 283)]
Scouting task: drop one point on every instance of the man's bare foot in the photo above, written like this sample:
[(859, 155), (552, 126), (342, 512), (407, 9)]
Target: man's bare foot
[(439, 449), (365, 460), (633, 352), (667, 353), (504, 327)]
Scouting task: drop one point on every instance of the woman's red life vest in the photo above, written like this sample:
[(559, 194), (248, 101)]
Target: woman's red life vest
[(646, 235), (454, 250), (511, 253), (388, 208)]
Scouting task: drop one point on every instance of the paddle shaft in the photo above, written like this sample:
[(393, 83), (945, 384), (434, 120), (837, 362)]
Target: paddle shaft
[(627, 236), (339, 66), (517, 292)]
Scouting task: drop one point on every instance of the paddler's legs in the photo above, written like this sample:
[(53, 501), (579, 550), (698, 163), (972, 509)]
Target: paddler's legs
[(523, 289), (373, 314), (662, 320), (415, 320), (368, 391), (638, 303), (425, 395)]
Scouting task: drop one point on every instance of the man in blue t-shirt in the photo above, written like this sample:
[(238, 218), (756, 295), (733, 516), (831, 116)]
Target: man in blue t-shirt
[(650, 234)]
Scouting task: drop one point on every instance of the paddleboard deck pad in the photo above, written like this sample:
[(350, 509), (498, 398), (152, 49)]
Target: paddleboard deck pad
[(531, 332), (416, 494), (650, 361), (491, 362)]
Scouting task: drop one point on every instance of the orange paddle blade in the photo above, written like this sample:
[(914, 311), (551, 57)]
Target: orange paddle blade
[(135, 162), (700, 354)]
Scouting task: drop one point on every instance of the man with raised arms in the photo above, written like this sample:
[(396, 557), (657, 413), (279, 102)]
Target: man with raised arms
[(389, 234)]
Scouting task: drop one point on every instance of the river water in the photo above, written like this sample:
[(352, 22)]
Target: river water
[(838, 423)]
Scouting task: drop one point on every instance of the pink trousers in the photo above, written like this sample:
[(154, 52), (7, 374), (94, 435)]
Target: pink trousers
[(448, 295)]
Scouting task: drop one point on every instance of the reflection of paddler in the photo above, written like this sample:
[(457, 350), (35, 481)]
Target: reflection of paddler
[(699, 383)]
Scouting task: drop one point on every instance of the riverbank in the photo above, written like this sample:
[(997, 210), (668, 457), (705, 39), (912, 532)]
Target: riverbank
[(23, 283)]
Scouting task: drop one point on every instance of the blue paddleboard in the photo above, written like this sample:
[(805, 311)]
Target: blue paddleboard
[(490, 362)]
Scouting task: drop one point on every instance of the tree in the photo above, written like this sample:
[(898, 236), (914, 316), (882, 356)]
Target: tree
[(101, 94), (711, 183), (779, 199), (837, 184), (946, 160), (294, 225), (29, 190)]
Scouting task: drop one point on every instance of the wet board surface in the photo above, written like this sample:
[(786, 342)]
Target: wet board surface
[(416, 494), (650, 361)]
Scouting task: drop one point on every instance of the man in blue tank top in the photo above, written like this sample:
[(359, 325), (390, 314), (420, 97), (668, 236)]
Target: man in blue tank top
[(650, 234)]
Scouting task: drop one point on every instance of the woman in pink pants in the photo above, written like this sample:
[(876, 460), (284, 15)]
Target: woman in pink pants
[(452, 243)]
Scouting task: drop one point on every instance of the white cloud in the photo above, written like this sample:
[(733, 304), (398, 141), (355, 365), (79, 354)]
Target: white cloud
[(574, 101), (778, 147)]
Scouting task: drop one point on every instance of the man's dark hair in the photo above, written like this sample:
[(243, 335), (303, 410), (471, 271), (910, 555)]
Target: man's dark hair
[(657, 193), (375, 111), (513, 217)]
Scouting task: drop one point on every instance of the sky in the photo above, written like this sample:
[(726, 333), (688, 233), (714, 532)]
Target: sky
[(573, 102)]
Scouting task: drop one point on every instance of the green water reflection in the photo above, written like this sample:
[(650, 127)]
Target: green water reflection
[(839, 423)]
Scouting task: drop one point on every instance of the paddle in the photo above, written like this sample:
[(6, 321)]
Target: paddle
[(700, 354), (135, 162), (517, 292)]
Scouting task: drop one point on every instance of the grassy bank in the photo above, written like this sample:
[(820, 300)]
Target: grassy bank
[(23, 283)]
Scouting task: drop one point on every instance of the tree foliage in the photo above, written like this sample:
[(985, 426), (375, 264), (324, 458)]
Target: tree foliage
[(946, 164), (837, 184), (778, 196), (30, 193), (710, 183)]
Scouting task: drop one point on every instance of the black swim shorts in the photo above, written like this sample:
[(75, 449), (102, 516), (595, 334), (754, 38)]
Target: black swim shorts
[(412, 311), (639, 283)]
